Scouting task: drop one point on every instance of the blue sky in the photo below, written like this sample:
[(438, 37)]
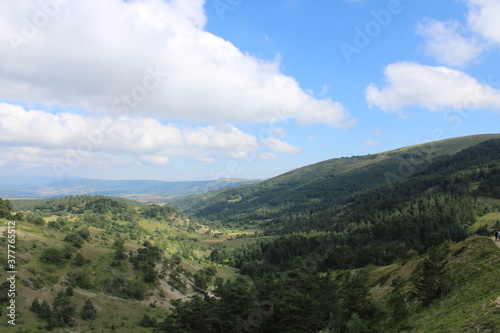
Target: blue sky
[(197, 90)]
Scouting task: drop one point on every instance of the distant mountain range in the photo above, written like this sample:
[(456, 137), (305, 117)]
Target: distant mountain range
[(14, 187)]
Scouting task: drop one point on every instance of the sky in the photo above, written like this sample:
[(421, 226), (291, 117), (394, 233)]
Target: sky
[(200, 90)]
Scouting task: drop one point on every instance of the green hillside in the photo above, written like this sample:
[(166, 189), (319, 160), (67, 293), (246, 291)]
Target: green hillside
[(320, 185), (471, 299), (128, 259)]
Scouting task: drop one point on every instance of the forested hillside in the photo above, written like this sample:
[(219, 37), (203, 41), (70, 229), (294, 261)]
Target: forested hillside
[(321, 185), (386, 223)]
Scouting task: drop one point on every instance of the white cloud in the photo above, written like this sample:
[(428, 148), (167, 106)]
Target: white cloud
[(455, 44), (434, 88), (279, 146), (32, 136), (147, 57), (445, 42), (483, 19)]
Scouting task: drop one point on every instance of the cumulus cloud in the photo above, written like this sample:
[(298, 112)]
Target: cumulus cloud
[(144, 57), (455, 44), (434, 88), (445, 42), (483, 19), (32, 136)]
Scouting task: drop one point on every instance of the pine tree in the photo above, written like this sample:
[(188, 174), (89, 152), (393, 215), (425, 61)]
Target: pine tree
[(45, 311), (35, 306), (355, 324), (88, 311), (56, 319), (357, 295), (147, 321), (63, 307), (69, 291), (433, 281), (79, 260), (398, 300), (6, 208)]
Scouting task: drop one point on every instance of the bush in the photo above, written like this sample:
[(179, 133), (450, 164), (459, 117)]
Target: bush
[(53, 256), (483, 231), (38, 221), (6, 208), (123, 288), (147, 321), (75, 239), (79, 279), (79, 260)]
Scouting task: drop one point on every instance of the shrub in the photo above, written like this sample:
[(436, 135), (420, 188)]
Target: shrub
[(53, 256), (75, 239), (79, 279)]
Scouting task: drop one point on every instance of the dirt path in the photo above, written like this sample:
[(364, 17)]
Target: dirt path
[(496, 243)]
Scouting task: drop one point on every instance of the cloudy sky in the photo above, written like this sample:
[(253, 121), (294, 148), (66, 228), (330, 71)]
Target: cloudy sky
[(198, 90)]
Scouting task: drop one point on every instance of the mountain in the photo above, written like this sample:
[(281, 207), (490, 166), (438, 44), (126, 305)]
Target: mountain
[(318, 186), (143, 190)]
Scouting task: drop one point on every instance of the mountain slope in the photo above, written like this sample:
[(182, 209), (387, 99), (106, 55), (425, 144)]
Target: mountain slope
[(127, 258), (320, 185), (472, 305)]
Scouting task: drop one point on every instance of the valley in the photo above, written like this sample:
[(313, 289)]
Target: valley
[(398, 241)]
